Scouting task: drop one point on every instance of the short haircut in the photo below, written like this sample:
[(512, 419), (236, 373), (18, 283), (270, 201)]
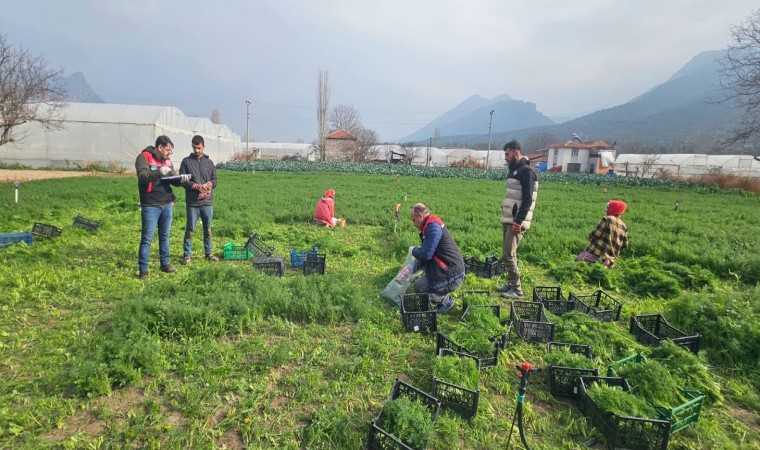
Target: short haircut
[(163, 140), (513, 145), (420, 208), (198, 139)]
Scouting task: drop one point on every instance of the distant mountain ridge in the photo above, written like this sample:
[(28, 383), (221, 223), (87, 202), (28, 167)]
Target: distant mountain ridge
[(78, 89), (685, 108), (472, 117)]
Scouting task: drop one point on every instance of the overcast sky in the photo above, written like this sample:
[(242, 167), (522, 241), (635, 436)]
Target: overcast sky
[(401, 63)]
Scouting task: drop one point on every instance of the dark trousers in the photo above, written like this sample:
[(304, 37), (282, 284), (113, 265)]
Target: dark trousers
[(421, 286)]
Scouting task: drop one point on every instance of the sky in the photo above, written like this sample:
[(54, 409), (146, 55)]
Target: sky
[(400, 63)]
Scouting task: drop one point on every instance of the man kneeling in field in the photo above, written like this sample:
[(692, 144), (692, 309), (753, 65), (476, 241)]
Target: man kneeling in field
[(439, 256)]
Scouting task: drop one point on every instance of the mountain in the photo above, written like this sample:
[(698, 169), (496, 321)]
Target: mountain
[(674, 114), (78, 89), (472, 117)]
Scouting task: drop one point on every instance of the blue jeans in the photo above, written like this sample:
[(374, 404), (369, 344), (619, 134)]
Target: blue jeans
[(205, 213), (152, 216)]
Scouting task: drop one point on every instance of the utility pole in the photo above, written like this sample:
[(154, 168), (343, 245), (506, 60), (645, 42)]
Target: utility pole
[(427, 156), (490, 121), (247, 116)]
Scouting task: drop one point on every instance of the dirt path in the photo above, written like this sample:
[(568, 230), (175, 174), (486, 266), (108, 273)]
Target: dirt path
[(9, 176)]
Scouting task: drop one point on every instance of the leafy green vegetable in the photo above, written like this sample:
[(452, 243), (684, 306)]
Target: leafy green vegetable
[(651, 381), (483, 318), (461, 371), (562, 357), (687, 369), (615, 400), (408, 420)]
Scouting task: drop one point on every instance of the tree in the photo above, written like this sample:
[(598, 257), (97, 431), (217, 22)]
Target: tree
[(741, 77), (347, 118), (216, 116), (29, 91), (323, 106), (367, 142), (409, 152), (538, 141)]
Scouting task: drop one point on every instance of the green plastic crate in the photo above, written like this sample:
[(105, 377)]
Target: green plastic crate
[(235, 251)]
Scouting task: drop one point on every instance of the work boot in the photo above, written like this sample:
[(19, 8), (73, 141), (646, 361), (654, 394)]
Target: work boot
[(446, 304), (168, 268), (503, 289), (186, 260), (143, 276), (212, 257), (512, 294)]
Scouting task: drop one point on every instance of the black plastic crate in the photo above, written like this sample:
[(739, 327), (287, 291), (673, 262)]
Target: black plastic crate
[(599, 305), (485, 269), (379, 439), (652, 329), (45, 230), (271, 265), (530, 321), (314, 264), (482, 360), (86, 224), (258, 247), (459, 399), (563, 381), (417, 314), (621, 432), (553, 299), (502, 338)]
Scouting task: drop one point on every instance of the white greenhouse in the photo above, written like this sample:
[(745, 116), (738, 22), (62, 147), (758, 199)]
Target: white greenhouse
[(113, 134), (686, 165)]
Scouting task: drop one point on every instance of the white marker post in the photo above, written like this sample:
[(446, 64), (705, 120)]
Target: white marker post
[(16, 183)]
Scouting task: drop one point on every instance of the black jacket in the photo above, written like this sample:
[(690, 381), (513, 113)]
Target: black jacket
[(201, 171)]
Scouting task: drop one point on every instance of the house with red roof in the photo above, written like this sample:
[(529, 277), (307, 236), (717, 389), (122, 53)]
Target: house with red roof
[(580, 157), (341, 146)]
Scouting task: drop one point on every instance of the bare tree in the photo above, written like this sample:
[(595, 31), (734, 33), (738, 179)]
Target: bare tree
[(741, 77), (648, 164), (346, 118), (216, 116), (367, 142), (323, 106), (538, 141), (29, 91), (409, 151)]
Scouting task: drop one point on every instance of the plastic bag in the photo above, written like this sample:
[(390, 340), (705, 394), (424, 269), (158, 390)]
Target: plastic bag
[(400, 283)]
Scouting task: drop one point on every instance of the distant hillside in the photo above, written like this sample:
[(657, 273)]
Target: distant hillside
[(472, 117), (78, 89), (678, 112)]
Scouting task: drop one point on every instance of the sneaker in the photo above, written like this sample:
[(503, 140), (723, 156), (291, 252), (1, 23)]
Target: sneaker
[(168, 268), (513, 294), (212, 258), (445, 305), (502, 289), (143, 276), (186, 260)]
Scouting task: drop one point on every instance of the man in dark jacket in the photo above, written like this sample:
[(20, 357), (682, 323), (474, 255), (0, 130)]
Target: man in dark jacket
[(516, 214), (439, 256), (199, 197), (155, 175)]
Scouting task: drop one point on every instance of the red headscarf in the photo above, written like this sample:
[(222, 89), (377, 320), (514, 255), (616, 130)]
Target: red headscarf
[(330, 194), (616, 207)]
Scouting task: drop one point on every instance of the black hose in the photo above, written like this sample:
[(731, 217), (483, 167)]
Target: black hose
[(520, 425)]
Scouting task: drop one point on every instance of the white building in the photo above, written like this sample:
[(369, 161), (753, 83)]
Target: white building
[(686, 165)]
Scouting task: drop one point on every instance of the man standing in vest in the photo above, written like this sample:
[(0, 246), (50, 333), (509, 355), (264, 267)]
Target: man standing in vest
[(199, 197), (155, 175), (516, 214), (439, 256)]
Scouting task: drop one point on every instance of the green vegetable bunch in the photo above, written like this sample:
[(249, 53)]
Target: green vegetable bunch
[(408, 420), (615, 400), (461, 371)]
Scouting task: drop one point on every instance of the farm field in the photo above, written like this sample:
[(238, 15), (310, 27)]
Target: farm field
[(219, 355)]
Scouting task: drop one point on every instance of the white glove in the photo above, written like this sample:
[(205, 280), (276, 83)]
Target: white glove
[(410, 249), (165, 170), (185, 177)]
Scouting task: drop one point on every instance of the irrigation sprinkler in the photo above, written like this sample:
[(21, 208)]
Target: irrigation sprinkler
[(395, 218), (523, 373)]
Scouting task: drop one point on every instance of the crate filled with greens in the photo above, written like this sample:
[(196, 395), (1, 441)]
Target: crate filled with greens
[(406, 421), (652, 329), (623, 419), (417, 314), (530, 322), (487, 318), (455, 382), (566, 363), (485, 351), (599, 305)]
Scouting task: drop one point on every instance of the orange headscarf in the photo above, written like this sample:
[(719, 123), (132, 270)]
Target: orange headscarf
[(330, 194)]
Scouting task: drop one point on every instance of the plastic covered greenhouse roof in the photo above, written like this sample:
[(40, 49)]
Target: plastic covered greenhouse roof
[(127, 114)]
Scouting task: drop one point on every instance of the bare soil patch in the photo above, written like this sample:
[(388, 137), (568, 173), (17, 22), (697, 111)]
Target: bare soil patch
[(11, 175)]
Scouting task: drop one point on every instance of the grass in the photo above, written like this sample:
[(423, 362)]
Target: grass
[(220, 355)]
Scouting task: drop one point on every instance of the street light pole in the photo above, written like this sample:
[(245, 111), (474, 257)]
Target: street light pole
[(247, 116), (490, 121)]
